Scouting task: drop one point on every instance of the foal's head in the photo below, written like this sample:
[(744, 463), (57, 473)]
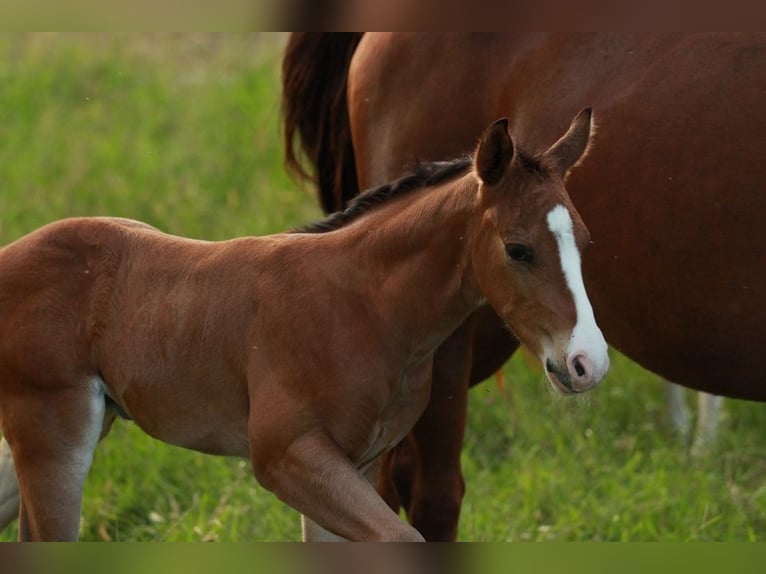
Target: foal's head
[(527, 254)]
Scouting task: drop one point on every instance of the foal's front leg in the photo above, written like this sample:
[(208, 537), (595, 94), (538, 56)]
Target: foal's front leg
[(312, 532), (316, 478)]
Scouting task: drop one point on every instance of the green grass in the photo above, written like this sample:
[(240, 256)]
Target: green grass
[(182, 132), (607, 466)]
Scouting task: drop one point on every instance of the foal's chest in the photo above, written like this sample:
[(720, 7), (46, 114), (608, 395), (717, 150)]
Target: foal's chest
[(402, 412)]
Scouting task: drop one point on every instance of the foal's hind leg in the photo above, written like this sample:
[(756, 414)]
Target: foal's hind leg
[(52, 435), (9, 487)]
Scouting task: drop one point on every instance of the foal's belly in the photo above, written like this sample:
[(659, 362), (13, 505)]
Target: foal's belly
[(211, 436), (213, 423), (212, 416)]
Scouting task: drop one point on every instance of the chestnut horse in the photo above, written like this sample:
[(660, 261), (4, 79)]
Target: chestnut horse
[(308, 352), (672, 192)]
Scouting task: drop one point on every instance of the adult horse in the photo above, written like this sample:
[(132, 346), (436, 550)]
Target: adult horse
[(673, 193), (241, 347)]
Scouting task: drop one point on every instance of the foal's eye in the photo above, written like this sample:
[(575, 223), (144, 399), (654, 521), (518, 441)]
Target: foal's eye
[(519, 252)]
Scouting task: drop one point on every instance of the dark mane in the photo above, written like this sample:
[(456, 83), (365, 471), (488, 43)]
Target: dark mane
[(424, 175)]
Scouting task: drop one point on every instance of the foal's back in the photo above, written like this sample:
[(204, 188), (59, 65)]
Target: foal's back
[(120, 307)]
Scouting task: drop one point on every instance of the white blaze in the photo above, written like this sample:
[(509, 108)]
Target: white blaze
[(586, 336)]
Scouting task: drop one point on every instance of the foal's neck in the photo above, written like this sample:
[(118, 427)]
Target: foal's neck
[(414, 257)]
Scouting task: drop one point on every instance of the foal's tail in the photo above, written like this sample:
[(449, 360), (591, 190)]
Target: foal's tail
[(316, 122)]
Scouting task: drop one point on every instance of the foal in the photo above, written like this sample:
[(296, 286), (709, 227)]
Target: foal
[(309, 353)]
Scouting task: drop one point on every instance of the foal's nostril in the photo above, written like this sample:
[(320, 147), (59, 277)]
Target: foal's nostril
[(579, 368)]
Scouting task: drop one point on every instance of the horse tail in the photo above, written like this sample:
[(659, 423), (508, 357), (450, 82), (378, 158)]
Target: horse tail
[(316, 123)]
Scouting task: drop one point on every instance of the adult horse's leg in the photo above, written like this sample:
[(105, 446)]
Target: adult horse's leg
[(52, 435), (9, 486), (706, 423), (708, 417), (680, 417)]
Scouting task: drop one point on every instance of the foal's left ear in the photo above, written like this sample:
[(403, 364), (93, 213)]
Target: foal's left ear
[(566, 152), (494, 153)]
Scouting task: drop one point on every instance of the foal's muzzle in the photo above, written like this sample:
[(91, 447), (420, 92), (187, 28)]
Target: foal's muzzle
[(578, 372)]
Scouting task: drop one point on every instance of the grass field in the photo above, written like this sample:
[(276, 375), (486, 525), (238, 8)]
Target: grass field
[(182, 132)]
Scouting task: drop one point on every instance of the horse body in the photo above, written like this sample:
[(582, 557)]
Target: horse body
[(187, 338), (177, 332), (308, 352), (672, 192)]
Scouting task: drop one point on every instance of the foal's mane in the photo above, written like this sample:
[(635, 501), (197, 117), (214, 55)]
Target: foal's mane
[(424, 175)]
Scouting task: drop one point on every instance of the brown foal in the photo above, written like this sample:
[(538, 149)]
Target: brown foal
[(309, 352)]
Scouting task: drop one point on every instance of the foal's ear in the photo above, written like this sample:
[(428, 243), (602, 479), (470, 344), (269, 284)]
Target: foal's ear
[(566, 152), (494, 153)]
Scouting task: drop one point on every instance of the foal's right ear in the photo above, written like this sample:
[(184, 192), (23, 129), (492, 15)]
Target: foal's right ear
[(494, 153)]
